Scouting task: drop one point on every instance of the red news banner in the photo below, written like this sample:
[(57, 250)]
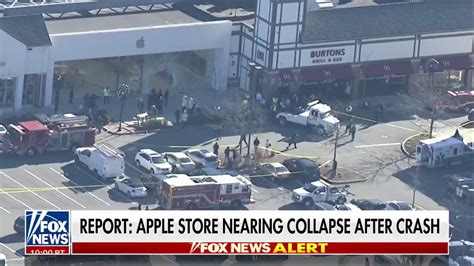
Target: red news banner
[(259, 232)]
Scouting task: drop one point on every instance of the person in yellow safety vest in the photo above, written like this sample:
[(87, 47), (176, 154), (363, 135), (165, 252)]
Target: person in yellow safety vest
[(106, 94), (184, 103), (274, 104), (244, 105), (190, 103)]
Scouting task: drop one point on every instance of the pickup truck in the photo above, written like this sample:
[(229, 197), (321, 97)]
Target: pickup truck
[(319, 191), (316, 115)]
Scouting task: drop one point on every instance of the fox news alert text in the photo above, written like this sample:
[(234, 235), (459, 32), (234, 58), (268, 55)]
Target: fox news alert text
[(230, 232)]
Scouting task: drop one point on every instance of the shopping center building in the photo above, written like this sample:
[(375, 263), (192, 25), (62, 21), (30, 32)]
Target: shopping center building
[(333, 50)]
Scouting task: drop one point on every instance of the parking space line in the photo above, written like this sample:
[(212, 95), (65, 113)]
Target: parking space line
[(377, 145), (77, 185), (254, 190), (5, 210), (138, 170), (15, 199), (11, 250), (29, 190), (57, 190), (109, 187)]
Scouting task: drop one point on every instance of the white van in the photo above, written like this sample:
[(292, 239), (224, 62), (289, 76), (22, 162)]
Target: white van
[(104, 160)]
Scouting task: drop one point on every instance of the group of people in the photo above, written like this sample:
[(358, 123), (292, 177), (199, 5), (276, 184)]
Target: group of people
[(156, 101), (188, 108), (288, 103)]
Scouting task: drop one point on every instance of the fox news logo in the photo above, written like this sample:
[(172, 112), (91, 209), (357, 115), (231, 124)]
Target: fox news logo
[(47, 232)]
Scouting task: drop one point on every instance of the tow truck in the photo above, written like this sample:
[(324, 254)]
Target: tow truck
[(316, 115), (54, 134), (319, 191), (443, 151), (203, 192)]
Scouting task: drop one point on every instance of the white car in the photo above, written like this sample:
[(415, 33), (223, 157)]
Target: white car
[(180, 162), (203, 158), (133, 188), (154, 162), (273, 170)]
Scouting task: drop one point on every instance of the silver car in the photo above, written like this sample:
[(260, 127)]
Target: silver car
[(203, 158)]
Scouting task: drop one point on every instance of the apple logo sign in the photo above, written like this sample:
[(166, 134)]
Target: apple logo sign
[(140, 43)]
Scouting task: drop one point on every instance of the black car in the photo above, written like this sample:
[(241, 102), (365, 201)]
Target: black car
[(19, 225), (323, 206), (369, 204), (305, 167)]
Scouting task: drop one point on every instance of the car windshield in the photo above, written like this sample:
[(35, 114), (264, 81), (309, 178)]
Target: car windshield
[(211, 158), (280, 169), (309, 187), (158, 159), (135, 184), (184, 160), (325, 115)]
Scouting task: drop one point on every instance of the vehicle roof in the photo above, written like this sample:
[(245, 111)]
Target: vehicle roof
[(149, 151), (33, 126), (372, 201), (321, 107), (318, 184), (442, 141), (276, 164), (305, 161), (177, 154)]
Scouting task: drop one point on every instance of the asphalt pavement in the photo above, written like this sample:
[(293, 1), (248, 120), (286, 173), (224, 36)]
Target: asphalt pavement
[(53, 181)]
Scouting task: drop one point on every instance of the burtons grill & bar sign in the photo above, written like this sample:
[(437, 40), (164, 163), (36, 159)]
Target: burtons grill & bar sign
[(328, 55)]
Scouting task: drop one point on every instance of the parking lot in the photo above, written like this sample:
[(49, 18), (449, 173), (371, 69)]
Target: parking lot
[(54, 181)]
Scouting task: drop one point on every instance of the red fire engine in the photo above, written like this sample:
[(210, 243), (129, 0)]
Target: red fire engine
[(52, 134), (203, 192)]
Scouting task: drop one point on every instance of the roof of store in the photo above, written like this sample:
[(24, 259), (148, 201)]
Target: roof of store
[(29, 30), (387, 20), (119, 21)]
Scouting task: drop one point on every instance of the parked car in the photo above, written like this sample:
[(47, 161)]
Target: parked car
[(369, 204), (133, 188), (348, 207), (273, 170), (3, 260), (180, 162), (153, 161), (3, 131), (203, 158), (19, 225), (399, 205), (470, 115), (303, 167), (323, 206)]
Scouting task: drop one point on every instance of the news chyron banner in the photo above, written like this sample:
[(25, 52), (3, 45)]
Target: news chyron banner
[(236, 232)]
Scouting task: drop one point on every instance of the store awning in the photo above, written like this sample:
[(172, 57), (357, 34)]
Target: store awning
[(455, 62), (286, 76), (319, 74), (387, 68)]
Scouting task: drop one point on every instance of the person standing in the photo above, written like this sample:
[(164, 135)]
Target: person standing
[(267, 148), (256, 143), (177, 115), (353, 132), (140, 104), (159, 103), (106, 95), (216, 148), (292, 140), (227, 156), (184, 103), (160, 94), (100, 123), (151, 99), (349, 126), (243, 139), (71, 95), (167, 95)]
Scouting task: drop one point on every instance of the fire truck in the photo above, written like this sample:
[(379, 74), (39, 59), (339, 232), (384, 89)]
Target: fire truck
[(52, 134), (204, 192)]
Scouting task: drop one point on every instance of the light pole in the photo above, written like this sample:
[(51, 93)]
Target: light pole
[(334, 162), (122, 92), (431, 66), (249, 115)]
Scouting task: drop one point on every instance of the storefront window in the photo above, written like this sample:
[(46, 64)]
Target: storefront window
[(7, 92), (29, 88)]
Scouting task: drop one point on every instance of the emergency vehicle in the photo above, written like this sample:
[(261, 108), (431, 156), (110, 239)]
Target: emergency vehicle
[(204, 192), (443, 151), (57, 134)]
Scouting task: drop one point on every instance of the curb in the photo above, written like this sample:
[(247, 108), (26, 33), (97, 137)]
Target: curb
[(332, 181), (402, 146)]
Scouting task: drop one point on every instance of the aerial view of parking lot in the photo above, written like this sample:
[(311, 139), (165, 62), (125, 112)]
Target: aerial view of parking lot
[(304, 105)]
